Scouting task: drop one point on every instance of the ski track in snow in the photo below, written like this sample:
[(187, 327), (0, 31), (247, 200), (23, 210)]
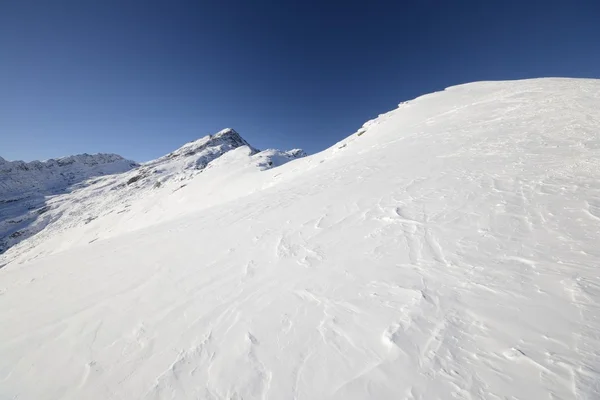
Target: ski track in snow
[(448, 251)]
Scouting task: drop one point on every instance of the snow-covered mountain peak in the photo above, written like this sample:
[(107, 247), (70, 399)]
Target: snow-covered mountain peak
[(227, 132), (217, 144)]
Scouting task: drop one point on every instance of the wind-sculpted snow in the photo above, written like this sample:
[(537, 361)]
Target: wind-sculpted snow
[(448, 249)]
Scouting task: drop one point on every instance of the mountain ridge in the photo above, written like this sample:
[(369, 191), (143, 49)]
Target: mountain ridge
[(83, 181), (54, 175)]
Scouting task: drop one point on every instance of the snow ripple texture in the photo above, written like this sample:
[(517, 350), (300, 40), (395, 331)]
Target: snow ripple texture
[(448, 249)]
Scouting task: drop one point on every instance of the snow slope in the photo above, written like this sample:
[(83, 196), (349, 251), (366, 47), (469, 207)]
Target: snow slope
[(25, 188), (105, 206), (448, 249)]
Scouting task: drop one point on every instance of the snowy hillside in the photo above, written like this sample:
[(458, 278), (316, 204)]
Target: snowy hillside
[(25, 188), (447, 249), (114, 202)]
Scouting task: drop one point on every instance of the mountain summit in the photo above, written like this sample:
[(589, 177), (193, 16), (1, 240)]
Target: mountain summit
[(210, 147), (227, 137)]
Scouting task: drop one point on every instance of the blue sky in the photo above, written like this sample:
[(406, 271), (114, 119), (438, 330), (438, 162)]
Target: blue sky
[(141, 78)]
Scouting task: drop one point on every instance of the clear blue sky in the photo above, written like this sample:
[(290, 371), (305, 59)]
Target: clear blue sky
[(141, 78)]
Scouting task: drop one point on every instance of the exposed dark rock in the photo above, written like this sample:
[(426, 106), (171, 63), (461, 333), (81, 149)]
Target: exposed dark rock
[(134, 179)]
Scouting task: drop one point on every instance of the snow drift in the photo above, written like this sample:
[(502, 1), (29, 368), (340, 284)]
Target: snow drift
[(447, 249)]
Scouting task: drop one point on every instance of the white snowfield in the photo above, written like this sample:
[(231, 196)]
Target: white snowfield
[(448, 249)]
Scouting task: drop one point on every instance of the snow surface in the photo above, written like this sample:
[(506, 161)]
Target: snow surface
[(448, 249)]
